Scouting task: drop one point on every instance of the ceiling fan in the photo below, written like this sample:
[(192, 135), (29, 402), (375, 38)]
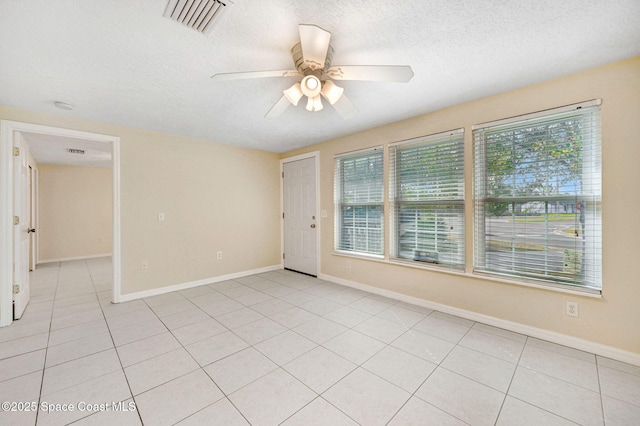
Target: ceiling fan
[(312, 58)]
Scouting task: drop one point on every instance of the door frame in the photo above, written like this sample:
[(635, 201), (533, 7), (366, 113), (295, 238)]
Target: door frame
[(316, 156), (7, 131), (33, 261)]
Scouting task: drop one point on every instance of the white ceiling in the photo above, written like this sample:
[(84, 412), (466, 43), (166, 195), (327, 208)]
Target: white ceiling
[(122, 62)]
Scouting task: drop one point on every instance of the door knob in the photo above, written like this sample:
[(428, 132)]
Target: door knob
[(313, 225)]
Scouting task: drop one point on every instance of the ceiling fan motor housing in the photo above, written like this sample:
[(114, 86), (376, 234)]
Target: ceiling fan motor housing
[(314, 78), (307, 67)]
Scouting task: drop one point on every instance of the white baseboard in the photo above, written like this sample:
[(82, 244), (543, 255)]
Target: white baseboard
[(162, 290), (66, 259), (539, 333)]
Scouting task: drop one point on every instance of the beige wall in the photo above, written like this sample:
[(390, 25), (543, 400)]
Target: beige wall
[(215, 198), (74, 211), (614, 319)]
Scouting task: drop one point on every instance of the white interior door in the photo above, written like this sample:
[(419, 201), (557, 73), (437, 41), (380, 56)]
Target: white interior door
[(22, 214), (300, 224)]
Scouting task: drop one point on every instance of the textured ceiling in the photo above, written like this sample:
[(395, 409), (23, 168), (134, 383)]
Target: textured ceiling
[(122, 62)]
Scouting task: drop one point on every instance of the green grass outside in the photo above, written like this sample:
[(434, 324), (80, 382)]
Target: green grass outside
[(552, 217), (496, 245)]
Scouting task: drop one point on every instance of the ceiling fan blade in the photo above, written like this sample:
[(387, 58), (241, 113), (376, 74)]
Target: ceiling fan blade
[(278, 108), (255, 74), (315, 44), (345, 108), (397, 73)]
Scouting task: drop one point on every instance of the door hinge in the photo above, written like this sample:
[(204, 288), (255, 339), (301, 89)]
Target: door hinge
[(16, 289), (16, 220), (16, 151), (282, 175), (283, 255), (283, 215)]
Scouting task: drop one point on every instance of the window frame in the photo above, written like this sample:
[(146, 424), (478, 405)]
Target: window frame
[(593, 196), (340, 204), (434, 203)]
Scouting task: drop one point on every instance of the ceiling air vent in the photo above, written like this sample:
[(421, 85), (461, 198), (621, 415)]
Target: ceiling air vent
[(76, 151), (199, 15)]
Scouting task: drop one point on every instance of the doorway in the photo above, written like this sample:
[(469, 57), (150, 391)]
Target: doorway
[(9, 132), (300, 221)]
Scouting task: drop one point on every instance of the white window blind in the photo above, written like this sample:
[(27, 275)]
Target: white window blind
[(427, 200), (538, 198), (359, 199)]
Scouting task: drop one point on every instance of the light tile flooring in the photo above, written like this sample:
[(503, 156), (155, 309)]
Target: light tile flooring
[(283, 348)]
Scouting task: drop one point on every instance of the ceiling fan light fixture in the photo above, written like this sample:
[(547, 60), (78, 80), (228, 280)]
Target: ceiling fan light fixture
[(331, 92), (313, 57), (314, 103), (311, 86), (294, 94)]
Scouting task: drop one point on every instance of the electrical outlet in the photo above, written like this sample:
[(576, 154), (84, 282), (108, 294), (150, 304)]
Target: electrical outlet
[(160, 217), (144, 265), (348, 264), (219, 255), (572, 309)]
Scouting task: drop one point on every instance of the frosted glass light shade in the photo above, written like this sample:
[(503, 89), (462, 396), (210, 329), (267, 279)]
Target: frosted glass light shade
[(331, 92), (311, 83), (310, 86), (314, 104), (293, 94)]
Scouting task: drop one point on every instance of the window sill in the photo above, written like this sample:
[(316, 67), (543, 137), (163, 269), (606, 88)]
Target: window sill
[(425, 266), (473, 275), (356, 255), (596, 294), (400, 262)]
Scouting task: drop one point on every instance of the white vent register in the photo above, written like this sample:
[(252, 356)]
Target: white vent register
[(199, 15)]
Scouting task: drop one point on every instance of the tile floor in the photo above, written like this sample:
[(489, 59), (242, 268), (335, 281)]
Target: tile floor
[(283, 348)]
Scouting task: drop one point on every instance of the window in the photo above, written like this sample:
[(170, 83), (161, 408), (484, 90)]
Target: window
[(359, 198), (427, 200), (537, 197)]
